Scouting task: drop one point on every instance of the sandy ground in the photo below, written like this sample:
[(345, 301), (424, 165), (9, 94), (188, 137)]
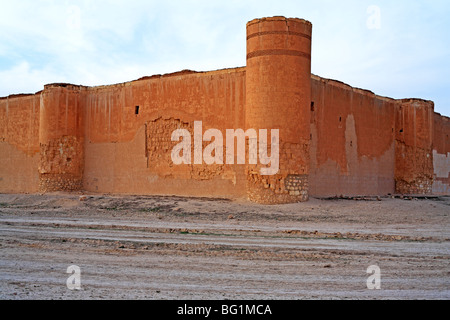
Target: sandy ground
[(150, 247)]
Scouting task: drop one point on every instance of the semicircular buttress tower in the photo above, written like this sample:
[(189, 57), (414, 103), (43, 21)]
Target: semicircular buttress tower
[(278, 96), (61, 138)]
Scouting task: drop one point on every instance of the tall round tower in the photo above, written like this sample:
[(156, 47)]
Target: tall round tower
[(61, 138), (278, 96)]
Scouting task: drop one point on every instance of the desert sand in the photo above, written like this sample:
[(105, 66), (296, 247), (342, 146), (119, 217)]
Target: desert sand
[(156, 247)]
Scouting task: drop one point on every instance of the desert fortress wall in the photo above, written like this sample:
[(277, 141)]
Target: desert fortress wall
[(333, 139)]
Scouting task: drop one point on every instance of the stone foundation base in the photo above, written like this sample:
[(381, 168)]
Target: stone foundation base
[(295, 190), (59, 182), (419, 186)]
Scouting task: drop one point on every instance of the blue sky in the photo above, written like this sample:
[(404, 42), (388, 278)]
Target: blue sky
[(395, 48)]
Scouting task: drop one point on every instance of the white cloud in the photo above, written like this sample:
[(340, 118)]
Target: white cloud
[(102, 42), (21, 78)]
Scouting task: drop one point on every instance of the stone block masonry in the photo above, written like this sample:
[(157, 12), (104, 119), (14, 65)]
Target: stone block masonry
[(333, 139)]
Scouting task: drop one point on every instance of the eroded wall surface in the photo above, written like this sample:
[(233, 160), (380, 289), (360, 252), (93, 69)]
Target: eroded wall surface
[(117, 139), (414, 146), (277, 98), (19, 143), (441, 155), (333, 139), (129, 126), (61, 138), (352, 141)]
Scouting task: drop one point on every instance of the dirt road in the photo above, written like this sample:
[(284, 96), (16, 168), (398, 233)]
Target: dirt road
[(135, 247)]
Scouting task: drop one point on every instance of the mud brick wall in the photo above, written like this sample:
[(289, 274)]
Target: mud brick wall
[(441, 155), (61, 164), (19, 143), (414, 147), (333, 139), (61, 138), (352, 140), (160, 145), (278, 90), (129, 127)]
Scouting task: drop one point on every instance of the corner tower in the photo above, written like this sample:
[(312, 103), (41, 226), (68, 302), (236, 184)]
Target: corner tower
[(278, 96)]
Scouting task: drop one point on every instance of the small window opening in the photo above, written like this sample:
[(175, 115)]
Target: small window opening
[(401, 130), (312, 105), (340, 119), (136, 110)]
